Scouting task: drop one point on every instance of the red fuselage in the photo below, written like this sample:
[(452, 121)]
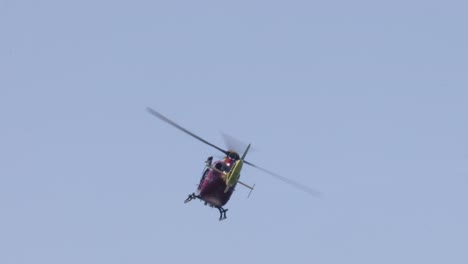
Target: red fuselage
[(213, 185)]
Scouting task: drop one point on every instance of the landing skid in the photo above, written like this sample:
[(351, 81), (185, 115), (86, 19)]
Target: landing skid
[(222, 211)]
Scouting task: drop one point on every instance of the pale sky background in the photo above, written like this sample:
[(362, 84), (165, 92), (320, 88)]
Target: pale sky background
[(366, 101)]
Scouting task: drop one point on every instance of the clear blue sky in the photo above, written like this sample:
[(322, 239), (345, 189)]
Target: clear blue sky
[(366, 101)]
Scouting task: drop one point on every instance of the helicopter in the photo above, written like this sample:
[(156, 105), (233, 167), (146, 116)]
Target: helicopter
[(220, 178)]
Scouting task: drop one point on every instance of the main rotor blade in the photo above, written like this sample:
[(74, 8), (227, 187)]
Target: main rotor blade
[(295, 184), (174, 124)]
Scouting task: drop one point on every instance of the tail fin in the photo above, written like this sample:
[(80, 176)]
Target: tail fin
[(251, 190)]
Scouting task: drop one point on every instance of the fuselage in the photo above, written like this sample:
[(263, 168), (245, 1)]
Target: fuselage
[(212, 187)]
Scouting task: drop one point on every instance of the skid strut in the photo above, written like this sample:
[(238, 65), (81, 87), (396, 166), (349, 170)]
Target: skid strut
[(222, 213), (191, 197)]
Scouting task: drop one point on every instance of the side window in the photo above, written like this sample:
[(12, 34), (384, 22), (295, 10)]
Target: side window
[(226, 168)]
